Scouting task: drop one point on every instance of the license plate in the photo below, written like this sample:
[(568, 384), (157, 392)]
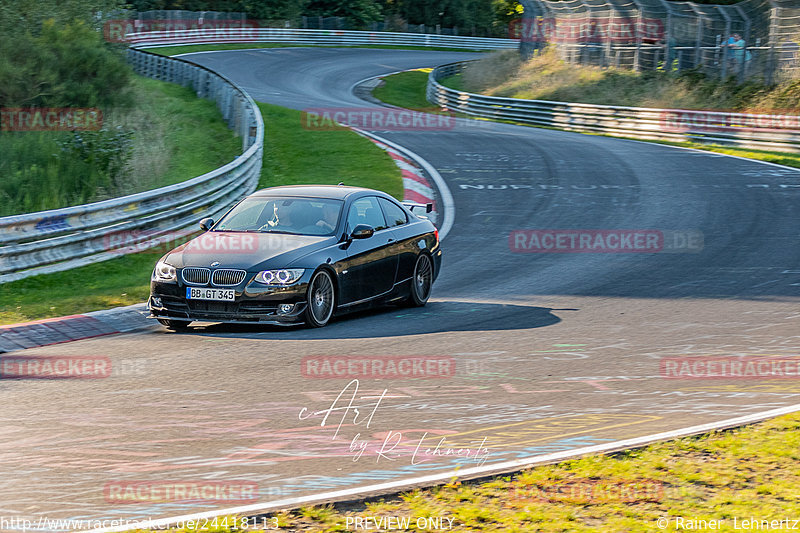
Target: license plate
[(224, 295)]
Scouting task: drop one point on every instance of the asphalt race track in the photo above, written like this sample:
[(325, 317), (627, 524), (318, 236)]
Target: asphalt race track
[(534, 352)]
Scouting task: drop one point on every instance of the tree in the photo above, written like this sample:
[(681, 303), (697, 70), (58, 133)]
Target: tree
[(359, 12)]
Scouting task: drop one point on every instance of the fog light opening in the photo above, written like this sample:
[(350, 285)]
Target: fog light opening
[(285, 309)]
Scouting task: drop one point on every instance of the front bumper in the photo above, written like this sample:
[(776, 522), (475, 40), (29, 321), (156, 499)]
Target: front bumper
[(253, 304)]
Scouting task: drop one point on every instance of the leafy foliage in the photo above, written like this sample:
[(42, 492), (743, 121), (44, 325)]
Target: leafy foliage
[(106, 150), (63, 65), (483, 16)]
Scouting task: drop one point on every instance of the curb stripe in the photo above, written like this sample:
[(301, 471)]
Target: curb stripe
[(416, 187)]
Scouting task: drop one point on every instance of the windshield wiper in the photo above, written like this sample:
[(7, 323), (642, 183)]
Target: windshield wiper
[(279, 231)]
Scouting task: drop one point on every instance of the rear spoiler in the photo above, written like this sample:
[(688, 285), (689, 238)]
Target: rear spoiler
[(412, 206)]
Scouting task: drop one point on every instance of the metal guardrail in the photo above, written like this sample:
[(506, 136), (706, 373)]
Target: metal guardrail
[(316, 37), (61, 239), (782, 132)]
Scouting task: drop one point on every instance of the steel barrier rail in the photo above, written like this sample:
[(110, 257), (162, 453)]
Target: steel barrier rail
[(315, 37), (777, 132), (60, 239)]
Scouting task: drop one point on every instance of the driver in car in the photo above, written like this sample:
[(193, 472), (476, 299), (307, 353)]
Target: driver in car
[(329, 215), (281, 218)]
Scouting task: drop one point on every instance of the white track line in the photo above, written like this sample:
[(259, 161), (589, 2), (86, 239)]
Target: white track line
[(478, 471)]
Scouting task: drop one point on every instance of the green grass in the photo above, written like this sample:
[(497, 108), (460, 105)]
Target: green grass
[(748, 472), (292, 155), (191, 48), (405, 89), (175, 136), (779, 158), (121, 281), (198, 139)]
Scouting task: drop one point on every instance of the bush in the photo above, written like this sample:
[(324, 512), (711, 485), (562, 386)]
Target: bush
[(67, 66)]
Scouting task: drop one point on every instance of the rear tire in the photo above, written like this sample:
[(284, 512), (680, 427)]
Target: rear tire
[(422, 281), (320, 300), (175, 325)]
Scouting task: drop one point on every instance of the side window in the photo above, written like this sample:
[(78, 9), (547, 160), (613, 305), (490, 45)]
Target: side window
[(395, 216), (366, 211)]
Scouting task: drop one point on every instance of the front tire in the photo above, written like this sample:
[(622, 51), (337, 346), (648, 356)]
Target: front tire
[(175, 325), (422, 282), (320, 300)]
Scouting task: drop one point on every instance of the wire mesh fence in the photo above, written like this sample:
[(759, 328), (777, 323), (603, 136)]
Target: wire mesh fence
[(753, 38)]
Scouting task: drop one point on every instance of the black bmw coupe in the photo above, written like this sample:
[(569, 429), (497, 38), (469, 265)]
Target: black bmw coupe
[(299, 254)]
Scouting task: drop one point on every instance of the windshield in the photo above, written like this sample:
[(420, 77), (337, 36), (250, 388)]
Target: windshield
[(295, 216)]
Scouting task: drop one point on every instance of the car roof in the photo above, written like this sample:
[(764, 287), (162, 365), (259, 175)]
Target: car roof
[(338, 192)]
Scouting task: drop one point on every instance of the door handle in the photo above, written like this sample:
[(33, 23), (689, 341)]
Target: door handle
[(390, 240)]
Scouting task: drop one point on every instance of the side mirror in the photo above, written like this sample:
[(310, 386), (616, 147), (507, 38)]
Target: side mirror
[(362, 231), (206, 224)]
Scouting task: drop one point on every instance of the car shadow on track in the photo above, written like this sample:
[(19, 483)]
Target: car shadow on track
[(435, 317)]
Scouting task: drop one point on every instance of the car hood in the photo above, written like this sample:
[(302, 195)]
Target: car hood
[(247, 251)]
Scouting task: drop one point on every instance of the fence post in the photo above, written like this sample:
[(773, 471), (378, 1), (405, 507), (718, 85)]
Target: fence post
[(699, 40), (771, 66), (637, 56), (725, 49), (667, 37)]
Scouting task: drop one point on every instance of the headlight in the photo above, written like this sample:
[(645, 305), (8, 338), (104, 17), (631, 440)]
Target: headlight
[(164, 272), (280, 277)]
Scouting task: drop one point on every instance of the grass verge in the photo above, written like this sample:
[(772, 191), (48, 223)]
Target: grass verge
[(740, 474), (407, 89), (292, 155), (295, 154), (168, 136), (191, 48), (548, 77)]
